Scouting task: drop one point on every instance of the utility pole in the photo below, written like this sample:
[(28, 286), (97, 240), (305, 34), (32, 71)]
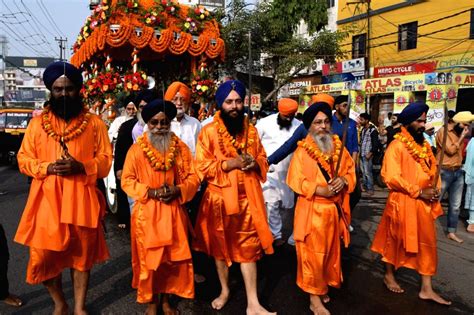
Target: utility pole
[(368, 39), (62, 47), (3, 47)]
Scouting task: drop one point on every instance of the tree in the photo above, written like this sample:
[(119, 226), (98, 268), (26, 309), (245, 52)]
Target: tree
[(272, 25)]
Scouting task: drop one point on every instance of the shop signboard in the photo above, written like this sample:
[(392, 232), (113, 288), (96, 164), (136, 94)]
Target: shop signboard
[(414, 68), (436, 95), (255, 102), (402, 99)]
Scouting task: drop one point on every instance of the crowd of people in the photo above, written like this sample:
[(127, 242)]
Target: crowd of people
[(231, 190)]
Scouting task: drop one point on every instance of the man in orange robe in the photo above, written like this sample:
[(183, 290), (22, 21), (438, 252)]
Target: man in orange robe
[(232, 224), (406, 236), (322, 213), (159, 175), (65, 150)]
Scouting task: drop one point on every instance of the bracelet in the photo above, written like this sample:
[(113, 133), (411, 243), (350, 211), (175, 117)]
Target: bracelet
[(154, 195)]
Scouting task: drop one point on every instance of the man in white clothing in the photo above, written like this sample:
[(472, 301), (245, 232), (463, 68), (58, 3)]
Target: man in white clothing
[(274, 130), (184, 126), (130, 111)]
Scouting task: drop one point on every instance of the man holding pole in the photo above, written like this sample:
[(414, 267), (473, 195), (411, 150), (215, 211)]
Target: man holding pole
[(232, 223), (322, 214), (406, 236)]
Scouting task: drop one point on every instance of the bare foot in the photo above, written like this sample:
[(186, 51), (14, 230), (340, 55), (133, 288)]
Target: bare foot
[(220, 301), (152, 309), (325, 298), (455, 238), (62, 309), (317, 307), (392, 284), (168, 310), (80, 312), (470, 228), (257, 310), (433, 296), (13, 300)]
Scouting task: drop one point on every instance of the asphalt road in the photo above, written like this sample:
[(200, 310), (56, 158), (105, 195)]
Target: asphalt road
[(362, 292)]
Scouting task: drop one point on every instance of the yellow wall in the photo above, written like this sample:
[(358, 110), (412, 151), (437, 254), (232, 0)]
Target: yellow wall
[(450, 42)]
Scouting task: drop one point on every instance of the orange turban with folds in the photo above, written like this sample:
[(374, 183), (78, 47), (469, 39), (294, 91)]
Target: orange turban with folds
[(176, 87), (287, 106), (322, 97)]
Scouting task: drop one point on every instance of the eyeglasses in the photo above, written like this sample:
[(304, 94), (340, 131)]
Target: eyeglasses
[(160, 122), (321, 121)]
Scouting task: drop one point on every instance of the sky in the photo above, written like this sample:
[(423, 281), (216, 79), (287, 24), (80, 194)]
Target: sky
[(32, 25)]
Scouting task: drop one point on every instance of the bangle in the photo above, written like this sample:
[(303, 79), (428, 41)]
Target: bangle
[(154, 195), (421, 192)]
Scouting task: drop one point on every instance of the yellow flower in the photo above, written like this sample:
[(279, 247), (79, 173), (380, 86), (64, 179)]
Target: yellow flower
[(187, 25)]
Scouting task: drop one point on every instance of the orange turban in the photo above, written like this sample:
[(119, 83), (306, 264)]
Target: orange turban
[(326, 98), (287, 106), (176, 87)]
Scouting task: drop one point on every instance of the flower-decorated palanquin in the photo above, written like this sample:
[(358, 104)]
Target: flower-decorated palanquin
[(134, 39)]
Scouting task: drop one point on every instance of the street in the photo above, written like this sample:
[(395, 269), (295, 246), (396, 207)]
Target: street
[(363, 291)]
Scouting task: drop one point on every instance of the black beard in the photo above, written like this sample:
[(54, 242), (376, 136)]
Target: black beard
[(234, 125), (66, 107), (417, 134), (283, 123), (458, 129)]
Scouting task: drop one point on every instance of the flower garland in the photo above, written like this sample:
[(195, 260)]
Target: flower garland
[(202, 85), (229, 145), (70, 133), (157, 161), (133, 82), (422, 154), (323, 159)]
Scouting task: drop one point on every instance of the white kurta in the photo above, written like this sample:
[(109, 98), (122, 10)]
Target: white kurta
[(272, 136), (187, 130)]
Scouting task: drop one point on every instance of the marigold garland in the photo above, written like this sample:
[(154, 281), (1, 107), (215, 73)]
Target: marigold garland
[(422, 154), (157, 161), (323, 159), (180, 45), (229, 145), (71, 132)]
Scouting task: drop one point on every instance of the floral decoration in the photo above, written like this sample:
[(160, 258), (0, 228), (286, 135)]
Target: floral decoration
[(203, 86), (71, 132), (135, 81), (158, 161), (327, 161), (422, 154), (230, 146)]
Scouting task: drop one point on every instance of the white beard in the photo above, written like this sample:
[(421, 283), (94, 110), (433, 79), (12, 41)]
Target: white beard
[(324, 142), (160, 141), (140, 119)]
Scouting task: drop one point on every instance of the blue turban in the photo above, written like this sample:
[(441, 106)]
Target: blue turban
[(228, 86), (59, 68), (156, 106), (412, 112), (313, 110), (145, 95)]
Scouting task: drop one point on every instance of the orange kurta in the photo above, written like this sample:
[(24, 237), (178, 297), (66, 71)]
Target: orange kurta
[(406, 236), (161, 259), (232, 223), (61, 220), (318, 228)]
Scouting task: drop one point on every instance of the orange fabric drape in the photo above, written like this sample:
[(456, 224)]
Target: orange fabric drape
[(318, 229), (406, 236), (232, 223), (60, 208), (161, 259)]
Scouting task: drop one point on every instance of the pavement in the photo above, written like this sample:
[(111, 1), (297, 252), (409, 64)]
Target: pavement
[(362, 292)]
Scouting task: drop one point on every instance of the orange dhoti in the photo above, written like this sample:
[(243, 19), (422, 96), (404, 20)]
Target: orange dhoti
[(318, 226), (406, 235), (86, 247), (231, 238)]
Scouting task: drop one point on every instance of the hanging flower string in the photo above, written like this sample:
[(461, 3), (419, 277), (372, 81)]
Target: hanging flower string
[(316, 154), (71, 132), (422, 154), (230, 146), (158, 161)]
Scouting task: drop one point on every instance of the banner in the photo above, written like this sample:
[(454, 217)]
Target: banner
[(402, 99), (414, 68), (255, 103), (357, 103), (436, 95)]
